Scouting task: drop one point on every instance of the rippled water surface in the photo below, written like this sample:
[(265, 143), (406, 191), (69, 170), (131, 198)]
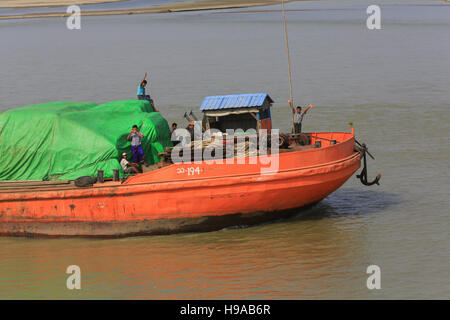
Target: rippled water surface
[(393, 84)]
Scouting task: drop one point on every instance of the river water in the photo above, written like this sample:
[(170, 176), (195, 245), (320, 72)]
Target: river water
[(393, 84)]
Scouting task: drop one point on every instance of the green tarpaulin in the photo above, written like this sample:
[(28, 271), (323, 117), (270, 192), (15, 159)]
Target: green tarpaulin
[(66, 140)]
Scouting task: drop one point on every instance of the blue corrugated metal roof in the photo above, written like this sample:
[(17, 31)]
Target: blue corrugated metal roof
[(234, 101)]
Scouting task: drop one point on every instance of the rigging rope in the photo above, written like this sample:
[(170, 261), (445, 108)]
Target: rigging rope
[(291, 101)]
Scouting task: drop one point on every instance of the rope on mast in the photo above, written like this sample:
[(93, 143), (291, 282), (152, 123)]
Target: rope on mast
[(291, 103)]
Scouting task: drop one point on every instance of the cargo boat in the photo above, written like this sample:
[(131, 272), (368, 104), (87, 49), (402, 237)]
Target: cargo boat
[(203, 195), (183, 197)]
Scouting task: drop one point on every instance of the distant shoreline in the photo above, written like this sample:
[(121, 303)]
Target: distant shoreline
[(175, 7), (26, 4)]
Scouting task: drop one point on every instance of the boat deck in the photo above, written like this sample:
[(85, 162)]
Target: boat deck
[(39, 185)]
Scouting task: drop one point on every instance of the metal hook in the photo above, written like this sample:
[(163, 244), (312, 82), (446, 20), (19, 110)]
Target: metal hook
[(363, 175)]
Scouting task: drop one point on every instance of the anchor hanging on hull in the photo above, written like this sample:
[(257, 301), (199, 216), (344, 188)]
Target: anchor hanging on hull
[(363, 175)]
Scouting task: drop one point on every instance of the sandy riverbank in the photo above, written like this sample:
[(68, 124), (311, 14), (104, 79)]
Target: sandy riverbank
[(47, 3), (176, 7)]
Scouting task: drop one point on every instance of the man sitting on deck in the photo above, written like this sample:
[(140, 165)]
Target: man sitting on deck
[(141, 92), (136, 149), (128, 167)]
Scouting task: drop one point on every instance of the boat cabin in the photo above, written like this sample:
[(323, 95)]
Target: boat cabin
[(237, 111)]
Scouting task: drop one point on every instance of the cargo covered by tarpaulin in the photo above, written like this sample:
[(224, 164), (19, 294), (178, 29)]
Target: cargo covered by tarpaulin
[(66, 140)]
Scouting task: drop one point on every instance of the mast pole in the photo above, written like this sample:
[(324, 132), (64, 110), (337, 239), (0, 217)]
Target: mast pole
[(291, 103)]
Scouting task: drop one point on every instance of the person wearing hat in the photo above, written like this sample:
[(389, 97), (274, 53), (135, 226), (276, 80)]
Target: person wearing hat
[(128, 167)]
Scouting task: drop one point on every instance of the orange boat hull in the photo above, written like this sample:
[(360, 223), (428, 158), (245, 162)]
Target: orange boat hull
[(201, 196)]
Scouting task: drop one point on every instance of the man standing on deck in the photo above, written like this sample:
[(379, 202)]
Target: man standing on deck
[(298, 118), (136, 149), (190, 129), (195, 130), (174, 127), (141, 92)]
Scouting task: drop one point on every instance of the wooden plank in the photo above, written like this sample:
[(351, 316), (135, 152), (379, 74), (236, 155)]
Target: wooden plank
[(34, 182)]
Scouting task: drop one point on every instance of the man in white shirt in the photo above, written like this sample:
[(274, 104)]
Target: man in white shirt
[(298, 118), (136, 148), (128, 167)]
